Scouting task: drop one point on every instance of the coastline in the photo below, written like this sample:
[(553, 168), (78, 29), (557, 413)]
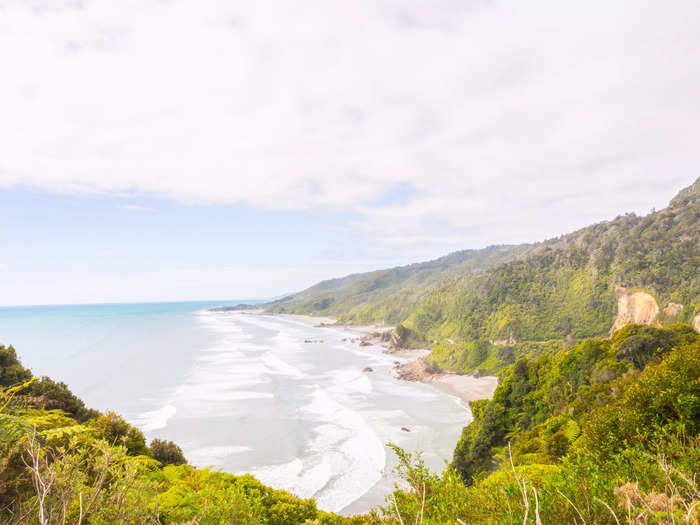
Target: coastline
[(330, 322), (465, 387), (462, 386)]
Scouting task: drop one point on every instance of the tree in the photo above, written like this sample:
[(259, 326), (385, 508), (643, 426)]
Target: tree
[(167, 452)]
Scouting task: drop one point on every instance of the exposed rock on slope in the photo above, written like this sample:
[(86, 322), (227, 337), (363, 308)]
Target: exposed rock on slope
[(672, 310), (641, 308), (635, 308)]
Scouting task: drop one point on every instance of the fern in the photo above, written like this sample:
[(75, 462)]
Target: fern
[(12, 429)]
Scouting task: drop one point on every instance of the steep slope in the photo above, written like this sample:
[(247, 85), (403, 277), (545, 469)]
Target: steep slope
[(604, 431), (482, 309), (389, 296), (587, 283)]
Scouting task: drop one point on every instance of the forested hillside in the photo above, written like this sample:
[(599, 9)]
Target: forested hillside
[(483, 309), (604, 432), (389, 296), (566, 288)]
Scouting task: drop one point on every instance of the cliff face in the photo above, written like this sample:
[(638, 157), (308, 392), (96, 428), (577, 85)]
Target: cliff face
[(634, 308)]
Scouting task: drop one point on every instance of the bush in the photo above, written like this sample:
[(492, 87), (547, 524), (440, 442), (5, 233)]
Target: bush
[(116, 431), (167, 452)]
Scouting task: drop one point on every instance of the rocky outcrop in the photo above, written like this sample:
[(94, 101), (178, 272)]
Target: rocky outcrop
[(375, 338), (505, 342), (695, 323), (419, 370), (636, 307), (672, 310)]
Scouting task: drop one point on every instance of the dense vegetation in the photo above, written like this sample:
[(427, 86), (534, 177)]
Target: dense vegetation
[(583, 428), (604, 431), (502, 303), (62, 463), (389, 296), (566, 286)]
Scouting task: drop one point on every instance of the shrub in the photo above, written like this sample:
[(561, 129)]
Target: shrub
[(167, 452), (116, 431)]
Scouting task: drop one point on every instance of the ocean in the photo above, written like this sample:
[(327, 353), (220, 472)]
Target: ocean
[(275, 396)]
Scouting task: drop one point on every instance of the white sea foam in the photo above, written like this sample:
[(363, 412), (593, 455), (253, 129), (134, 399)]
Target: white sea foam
[(154, 419), (336, 432), (343, 460), (350, 381), (349, 446), (207, 456), (300, 477), (277, 366)]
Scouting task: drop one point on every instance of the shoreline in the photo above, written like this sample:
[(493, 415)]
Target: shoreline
[(462, 386), (447, 398), (330, 322)]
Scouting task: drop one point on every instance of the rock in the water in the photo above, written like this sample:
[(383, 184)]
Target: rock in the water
[(367, 369), (365, 343), (405, 429)]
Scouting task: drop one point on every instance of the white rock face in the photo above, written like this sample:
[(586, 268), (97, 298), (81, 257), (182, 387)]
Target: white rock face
[(636, 308)]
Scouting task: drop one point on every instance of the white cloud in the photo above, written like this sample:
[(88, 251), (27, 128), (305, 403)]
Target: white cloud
[(510, 120)]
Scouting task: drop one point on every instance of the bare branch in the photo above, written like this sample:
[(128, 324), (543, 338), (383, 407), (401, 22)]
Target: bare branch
[(397, 509), (610, 509), (538, 521), (574, 506)]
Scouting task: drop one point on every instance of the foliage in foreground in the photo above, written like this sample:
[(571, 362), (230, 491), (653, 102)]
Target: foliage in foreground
[(606, 431), (62, 463), (601, 432)]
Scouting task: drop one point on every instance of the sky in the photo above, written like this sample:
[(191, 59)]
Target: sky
[(206, 149)]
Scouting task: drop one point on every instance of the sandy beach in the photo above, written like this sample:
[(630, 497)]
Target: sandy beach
[(465, 387)]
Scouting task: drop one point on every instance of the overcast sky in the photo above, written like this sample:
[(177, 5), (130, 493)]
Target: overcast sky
[(202, 149)]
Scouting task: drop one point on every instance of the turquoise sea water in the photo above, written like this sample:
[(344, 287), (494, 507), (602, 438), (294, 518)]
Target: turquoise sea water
[(276, 396), (102, 349)]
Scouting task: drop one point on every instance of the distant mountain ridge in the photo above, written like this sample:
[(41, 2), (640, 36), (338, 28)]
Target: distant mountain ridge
[(388, 296)]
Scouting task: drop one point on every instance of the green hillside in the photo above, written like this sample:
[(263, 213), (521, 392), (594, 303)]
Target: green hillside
[(585, 427), (389, 296), (482, 309), (605, 432), (565, 288)]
